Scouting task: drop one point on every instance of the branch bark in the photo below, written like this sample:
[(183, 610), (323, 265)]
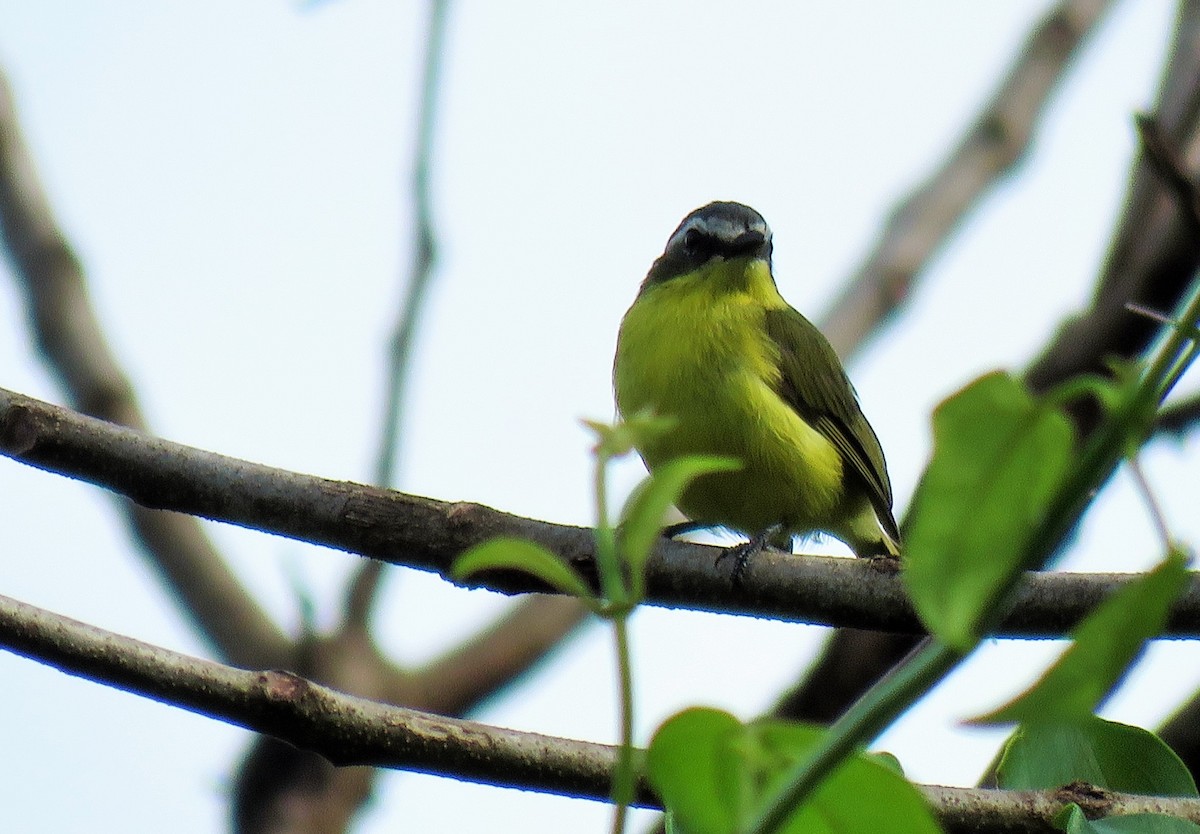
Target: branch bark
[(428, 534), (348, 730)]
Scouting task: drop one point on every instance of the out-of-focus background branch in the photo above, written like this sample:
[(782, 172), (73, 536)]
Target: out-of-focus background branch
[(73, 346)]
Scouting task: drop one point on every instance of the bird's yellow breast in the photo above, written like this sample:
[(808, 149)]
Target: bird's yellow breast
[(696, 348)]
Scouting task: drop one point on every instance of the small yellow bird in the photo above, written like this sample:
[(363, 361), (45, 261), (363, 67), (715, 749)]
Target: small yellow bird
[(710, 342)]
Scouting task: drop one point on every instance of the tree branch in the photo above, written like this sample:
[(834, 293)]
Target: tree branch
[(353, 731), (345, 729), (990, 149), (429, 534)]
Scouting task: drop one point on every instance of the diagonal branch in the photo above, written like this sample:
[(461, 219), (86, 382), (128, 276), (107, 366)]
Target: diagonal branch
[(429, 534), (73, 345), (349, 730), (990, 149)]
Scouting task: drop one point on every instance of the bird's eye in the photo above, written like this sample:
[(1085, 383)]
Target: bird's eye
[(693, 239)]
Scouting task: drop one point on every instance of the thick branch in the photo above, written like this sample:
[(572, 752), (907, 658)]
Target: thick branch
[(349, 730), (428, 534), (343, 728)]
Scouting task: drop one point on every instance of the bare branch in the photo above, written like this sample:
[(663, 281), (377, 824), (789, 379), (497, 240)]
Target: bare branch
[(349, 730), (988, 151), (345, 729), (428, 534), (73, 345)]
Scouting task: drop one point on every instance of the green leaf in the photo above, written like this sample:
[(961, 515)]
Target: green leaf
[(1117, 757), (691, 765), (642, 518), (621, 438), (1105, 644), (1074, 822), (714, 772), (508, 553), (999, 458), (889, 761)]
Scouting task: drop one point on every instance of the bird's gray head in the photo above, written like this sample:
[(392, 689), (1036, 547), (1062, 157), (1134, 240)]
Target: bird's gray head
[(718, 230)]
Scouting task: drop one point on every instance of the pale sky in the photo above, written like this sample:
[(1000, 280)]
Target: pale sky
[(234, 178)]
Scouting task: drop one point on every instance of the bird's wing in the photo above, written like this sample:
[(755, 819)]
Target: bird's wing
[(812, 381)]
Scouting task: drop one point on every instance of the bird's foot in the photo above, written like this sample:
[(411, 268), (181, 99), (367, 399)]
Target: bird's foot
[(741, 554)]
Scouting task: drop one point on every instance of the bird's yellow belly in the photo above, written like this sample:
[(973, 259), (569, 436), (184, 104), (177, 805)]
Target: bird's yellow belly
[(719, 389)]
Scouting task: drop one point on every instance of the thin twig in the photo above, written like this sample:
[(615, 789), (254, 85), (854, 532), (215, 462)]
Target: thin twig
[(1152, 506), (364, 585), (424, 249)]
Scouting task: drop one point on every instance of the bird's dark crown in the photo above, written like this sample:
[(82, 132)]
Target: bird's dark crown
[(718, 230)]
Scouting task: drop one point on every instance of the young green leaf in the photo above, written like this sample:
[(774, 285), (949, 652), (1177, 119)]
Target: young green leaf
[(508, 553), (1117, 757), (1103, 647), (692, 766), (999, 457), (642, 518), (713, 772), (1073, 821), (619, 439)]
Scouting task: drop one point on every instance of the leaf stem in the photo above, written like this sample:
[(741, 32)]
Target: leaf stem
[(611, 584), (623, 777)]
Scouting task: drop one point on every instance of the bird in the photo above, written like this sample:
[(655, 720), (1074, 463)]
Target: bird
[(710, 343)]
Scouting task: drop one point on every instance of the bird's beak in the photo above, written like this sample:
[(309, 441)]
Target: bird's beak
[(747, 243)]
